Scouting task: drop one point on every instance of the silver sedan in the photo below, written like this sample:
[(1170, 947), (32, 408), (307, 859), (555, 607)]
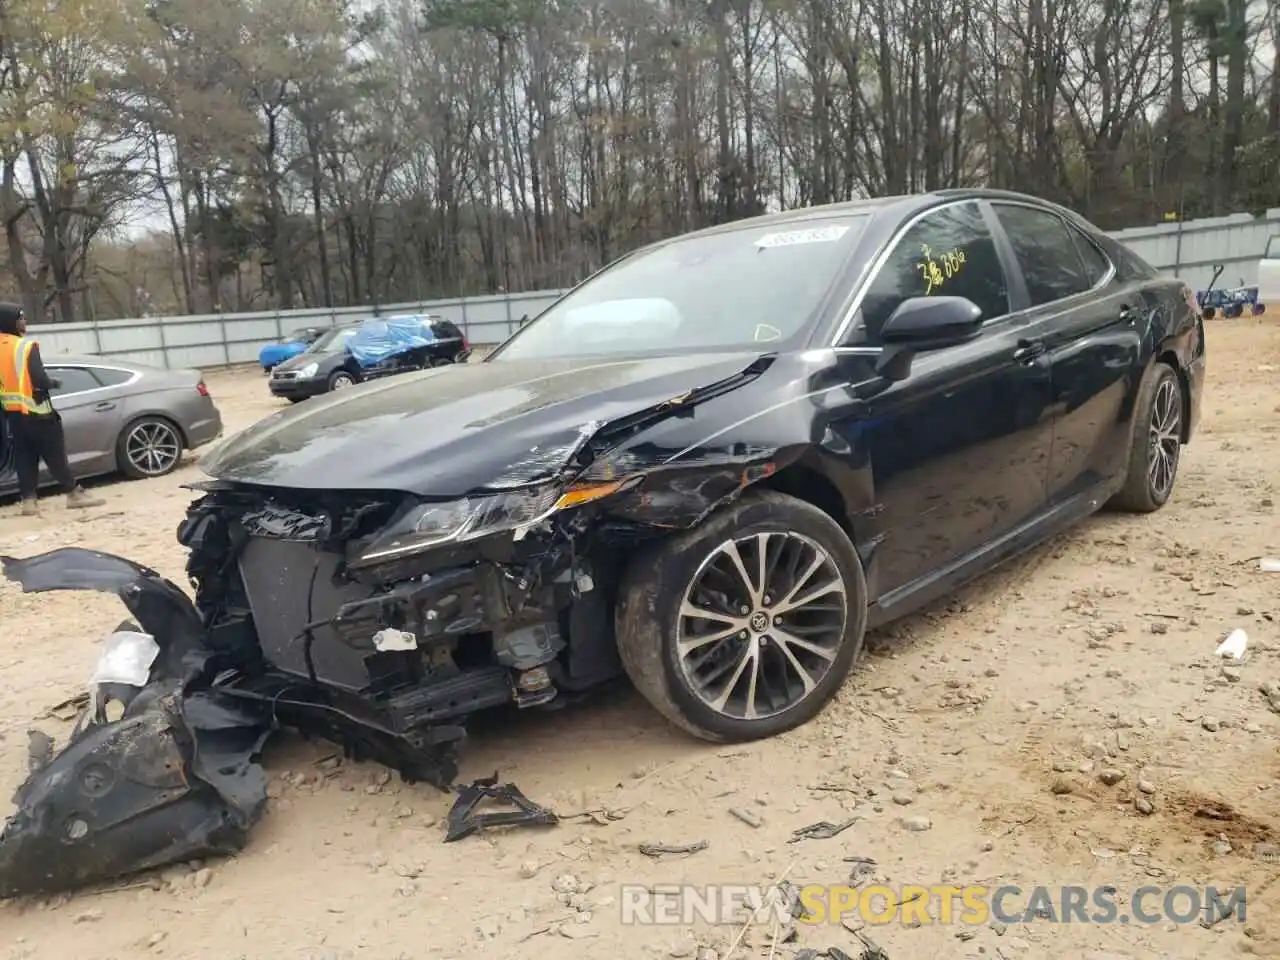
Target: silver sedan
[(123, 417)]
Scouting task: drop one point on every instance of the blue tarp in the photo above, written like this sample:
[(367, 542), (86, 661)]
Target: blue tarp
[(377, 340)]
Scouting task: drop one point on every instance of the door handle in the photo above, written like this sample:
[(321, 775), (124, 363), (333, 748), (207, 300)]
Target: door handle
[(1028, 350), (104, 405)]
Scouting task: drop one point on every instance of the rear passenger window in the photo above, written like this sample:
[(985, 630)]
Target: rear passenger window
[(1095, 261), (110, 377), (949, 252), (447, 331), (1046, 252)]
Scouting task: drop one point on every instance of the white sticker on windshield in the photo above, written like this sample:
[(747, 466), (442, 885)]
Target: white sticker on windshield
[(792, 237)]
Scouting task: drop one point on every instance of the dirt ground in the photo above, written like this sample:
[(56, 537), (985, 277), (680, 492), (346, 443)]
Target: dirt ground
[(971, 746)]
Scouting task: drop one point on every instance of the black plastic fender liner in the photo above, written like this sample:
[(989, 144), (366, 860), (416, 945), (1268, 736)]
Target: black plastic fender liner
[(159, 606), (174, 779)]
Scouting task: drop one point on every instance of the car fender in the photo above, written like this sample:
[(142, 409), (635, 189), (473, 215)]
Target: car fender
[(1174, 334), (769, 430)]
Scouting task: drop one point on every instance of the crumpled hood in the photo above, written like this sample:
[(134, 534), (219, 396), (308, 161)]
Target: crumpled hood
[(449, 430)]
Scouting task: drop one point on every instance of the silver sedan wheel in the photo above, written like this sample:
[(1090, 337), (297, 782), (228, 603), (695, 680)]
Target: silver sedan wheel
[(1166, 438), (761, 624), (342, 381), (152, 448)]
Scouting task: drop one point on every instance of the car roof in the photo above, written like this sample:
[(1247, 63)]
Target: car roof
[(893, 208), (90, 360)]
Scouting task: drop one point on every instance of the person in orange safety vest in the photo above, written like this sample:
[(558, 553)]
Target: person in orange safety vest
[(34, 425)]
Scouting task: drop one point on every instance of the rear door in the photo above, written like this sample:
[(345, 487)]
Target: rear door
[(1091, 325), (959, 449), (90, 418)]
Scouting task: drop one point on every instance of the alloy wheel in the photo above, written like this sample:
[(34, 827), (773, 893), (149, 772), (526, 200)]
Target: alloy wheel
[(761, 624), (342, 381), (1166, 438), (152, 448)]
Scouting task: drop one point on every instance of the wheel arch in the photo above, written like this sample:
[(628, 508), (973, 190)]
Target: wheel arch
[(1168, 356), (806, 481)]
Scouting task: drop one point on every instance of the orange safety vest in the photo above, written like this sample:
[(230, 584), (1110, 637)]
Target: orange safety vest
[(16, 392)]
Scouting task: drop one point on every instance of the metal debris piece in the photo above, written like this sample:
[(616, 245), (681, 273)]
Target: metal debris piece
[(822, 830), (673, 849), (68, 709), (463, 821), (861, 870)]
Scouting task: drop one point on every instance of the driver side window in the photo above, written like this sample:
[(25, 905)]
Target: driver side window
[(947, 253)]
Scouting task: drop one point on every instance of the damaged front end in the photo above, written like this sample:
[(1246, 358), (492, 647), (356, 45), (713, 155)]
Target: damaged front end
[(378, 620), (384, 621)]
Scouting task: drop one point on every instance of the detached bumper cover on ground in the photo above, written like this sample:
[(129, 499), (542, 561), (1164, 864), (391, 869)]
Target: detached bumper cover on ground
[(176, 777)]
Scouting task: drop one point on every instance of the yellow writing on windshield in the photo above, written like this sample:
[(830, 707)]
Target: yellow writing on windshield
[(938, 268)]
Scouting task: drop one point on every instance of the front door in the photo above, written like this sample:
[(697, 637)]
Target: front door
[(959, 449), (1094, 339), (90, 419)]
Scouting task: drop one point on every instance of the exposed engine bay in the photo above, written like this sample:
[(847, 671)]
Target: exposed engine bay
[(378, 621)]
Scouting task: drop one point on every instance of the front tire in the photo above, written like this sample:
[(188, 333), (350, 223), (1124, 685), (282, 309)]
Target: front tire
[(340, 380), (1156, 447), (745, 626)]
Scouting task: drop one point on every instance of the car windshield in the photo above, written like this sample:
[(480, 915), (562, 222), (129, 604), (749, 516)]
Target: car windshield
[(743, 287), (331, 340)]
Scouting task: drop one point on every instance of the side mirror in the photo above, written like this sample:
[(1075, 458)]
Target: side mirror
[(925, 323)]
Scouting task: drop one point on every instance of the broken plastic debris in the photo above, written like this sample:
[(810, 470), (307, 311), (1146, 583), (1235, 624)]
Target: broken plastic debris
[(175, 779), (1269, 564), (126, 657), (1233, 647)]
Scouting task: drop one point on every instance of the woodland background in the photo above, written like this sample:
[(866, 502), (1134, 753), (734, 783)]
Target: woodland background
[(188, 156)]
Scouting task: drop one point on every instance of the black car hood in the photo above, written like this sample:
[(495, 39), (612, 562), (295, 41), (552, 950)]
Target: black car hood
[(302, 359), (450, 430)]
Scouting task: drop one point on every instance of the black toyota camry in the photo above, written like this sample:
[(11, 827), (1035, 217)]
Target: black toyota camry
[(711, 467)]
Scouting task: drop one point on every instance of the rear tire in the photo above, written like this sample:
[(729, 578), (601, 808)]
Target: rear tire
[(782, 647), (1156, 446), (149, 447)]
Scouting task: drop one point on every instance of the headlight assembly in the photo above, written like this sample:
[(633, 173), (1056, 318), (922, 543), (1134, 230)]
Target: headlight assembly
[(309, 371), (457, 521)]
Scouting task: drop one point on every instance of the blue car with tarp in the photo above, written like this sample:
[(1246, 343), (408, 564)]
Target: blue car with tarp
[(354, 353)]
